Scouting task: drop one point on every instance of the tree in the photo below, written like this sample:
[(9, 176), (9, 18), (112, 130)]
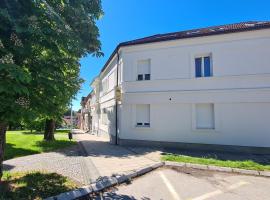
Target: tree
[(41, 43)]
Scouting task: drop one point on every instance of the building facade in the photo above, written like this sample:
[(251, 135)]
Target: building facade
[(203, 88), (85, 116)]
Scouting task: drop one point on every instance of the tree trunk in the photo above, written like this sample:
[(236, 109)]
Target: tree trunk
[(3, 128), (49, 129)]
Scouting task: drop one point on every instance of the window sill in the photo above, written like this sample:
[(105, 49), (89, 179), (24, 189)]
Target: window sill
[(142, 127), (205, 130)]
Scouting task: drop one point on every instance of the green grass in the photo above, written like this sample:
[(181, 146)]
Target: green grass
[(33, 185), (246, 164), (23, 143)]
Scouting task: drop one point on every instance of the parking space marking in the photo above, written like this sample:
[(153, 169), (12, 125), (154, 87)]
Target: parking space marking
[(218, 192), (169, 186)]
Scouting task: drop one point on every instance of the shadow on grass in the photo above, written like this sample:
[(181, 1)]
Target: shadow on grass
[(12, 152), (47, 146), (42, 132), (32, 133), (35, 185)]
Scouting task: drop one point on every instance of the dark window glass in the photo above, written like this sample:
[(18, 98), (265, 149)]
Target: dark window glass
[(207, 67), (140, 77), (198, 67), (139, 124), (147, 77), (147, 124)]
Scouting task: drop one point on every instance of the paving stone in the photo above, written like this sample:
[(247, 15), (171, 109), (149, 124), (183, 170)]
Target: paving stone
[(144, 170), (197, 166), (175, 164), (264, 173), (157, 165), (121, 179), (220, 169), (245, 171)]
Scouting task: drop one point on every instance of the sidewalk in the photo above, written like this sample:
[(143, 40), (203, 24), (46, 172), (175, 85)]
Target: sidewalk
[(108, 159)]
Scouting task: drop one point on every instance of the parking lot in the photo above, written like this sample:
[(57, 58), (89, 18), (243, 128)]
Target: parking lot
[(190, 184)]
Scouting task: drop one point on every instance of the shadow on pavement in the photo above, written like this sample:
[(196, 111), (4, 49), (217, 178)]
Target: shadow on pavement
[(98, 148)]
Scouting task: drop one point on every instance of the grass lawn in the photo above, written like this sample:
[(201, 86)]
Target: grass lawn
[(247, 164), (33, 185), (23, 143)]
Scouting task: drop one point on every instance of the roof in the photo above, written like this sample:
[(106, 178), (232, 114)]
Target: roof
[(200, 32)]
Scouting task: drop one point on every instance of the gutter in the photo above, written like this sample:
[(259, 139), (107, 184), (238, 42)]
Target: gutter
[(116, 104)]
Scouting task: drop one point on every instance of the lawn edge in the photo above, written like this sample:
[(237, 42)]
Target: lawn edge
[(218, 168)]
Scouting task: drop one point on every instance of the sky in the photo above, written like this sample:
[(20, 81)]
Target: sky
[(125, 20)]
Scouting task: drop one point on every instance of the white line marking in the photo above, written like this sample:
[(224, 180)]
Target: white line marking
[(218, 192), (169, 186)]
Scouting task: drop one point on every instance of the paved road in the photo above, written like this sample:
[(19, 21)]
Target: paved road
[(192, 184)]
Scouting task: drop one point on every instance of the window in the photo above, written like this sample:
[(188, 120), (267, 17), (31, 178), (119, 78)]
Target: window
[(205, 116), (104, 117), (143, 70), (111, 81), (105, 85), (143, 115), (203, 66)]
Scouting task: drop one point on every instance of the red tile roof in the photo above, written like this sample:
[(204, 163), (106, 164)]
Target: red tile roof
[(212, 30)]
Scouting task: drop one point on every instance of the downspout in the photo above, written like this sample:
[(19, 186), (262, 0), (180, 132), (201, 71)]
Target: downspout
[(116, 107)]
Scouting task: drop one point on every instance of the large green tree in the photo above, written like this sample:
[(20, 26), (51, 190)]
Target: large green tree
[(41, 42)]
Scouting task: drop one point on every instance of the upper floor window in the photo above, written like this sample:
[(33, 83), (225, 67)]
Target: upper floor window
[(105, 85), (143, 70), (203, 66)]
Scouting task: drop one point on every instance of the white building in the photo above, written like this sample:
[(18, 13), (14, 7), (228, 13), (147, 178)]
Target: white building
[(205, 88)]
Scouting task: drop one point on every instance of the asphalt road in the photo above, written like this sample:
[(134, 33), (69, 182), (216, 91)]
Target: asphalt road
[(190, 184)]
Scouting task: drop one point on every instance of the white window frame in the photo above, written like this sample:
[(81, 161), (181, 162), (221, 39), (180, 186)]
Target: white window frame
[(137, 73), (202, 64), (134, 111), (217, 121)]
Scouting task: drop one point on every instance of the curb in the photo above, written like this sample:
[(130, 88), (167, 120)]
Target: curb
[(104, 183), (217, 168)]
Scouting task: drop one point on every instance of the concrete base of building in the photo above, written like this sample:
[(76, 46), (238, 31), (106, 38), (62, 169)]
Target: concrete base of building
[(195, 146)]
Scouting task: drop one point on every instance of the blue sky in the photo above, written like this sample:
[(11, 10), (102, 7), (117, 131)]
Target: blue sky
[(130, 19)]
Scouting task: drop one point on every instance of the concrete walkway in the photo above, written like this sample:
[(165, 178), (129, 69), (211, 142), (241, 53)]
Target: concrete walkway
[(108, 159)]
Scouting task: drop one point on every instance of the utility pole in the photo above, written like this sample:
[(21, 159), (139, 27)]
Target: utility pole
[(71, 118), (71, 123)]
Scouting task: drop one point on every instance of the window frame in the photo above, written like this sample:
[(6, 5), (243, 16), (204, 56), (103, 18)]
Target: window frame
[(216, 118), (141, 123), (143, 74), (202, 70)]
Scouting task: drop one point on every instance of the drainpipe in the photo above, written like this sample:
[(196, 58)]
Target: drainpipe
[(116, 108)]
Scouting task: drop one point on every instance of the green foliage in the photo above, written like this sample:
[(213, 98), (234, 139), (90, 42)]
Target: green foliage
[(34, 185), (41, 43)]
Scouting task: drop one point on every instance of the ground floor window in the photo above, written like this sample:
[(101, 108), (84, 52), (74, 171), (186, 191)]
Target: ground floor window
[(104, 117), (205, 117), (143, 115)]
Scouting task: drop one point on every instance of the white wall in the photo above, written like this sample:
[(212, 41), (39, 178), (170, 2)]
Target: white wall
[(239, 90), (233, 54), (243, 124)]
